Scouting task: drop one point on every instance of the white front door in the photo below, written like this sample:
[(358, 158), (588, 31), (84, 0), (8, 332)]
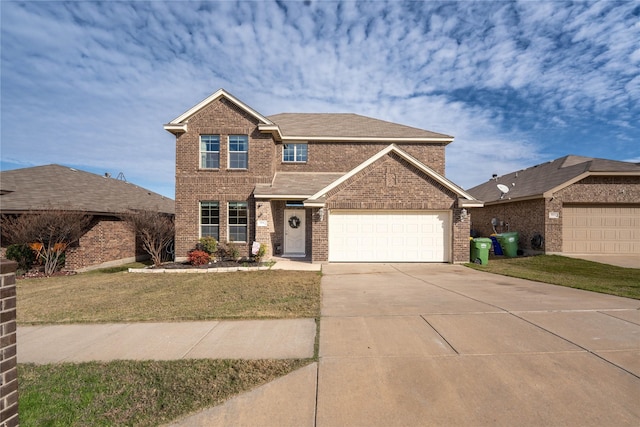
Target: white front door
[(294, 232)]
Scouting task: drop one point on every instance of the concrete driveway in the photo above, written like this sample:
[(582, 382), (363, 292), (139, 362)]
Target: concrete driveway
[(416, 344)]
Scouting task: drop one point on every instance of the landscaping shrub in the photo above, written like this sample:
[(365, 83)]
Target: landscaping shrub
[(208, 245), (197, 257), (22, 254)]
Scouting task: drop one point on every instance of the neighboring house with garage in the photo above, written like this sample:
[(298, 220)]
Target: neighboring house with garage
[(108, 241), (326, 187), (577, 205)]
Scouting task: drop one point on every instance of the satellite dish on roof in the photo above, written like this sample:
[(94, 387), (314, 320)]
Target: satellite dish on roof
[(503, 190)]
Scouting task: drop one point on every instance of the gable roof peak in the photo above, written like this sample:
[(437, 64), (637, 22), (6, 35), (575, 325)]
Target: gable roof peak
[(179, 124), (572, 160)]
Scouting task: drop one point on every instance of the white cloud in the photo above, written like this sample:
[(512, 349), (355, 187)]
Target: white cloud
[(98, 80)]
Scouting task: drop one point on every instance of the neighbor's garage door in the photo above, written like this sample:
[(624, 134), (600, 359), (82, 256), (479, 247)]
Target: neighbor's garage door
[(604, 229), (383, 236)]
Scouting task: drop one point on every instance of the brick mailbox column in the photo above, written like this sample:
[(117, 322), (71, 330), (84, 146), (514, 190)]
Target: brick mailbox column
[(8, 368)]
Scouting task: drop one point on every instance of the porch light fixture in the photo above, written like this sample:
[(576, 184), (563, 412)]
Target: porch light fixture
[(463, 214), (321, 214)]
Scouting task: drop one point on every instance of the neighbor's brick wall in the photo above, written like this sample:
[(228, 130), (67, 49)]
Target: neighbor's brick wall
[(342, 157), (602, 189), (526, 217), (532, 216), (107, 240), (223, 185), (8, 365), (591, 190)]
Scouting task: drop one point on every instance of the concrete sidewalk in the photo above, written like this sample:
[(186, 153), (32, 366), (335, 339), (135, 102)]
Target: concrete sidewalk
[(242, 339)]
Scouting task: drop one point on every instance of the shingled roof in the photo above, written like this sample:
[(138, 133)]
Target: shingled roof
[(295, 184), (545, 178), (61, 187), (347, 126)]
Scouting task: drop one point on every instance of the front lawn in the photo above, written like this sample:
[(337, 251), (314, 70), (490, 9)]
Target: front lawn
[(571, 272), (150, 393), (134, 297), (131, 393)]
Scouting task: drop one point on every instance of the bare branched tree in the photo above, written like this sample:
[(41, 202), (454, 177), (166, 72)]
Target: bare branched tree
[(49, 233), (156, 231)]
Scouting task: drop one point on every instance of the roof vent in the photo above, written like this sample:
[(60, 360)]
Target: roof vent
[(494, 176), (107, 175)]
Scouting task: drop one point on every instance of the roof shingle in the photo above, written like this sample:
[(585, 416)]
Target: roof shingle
[(538, 179), (346, 125), (61, 187)]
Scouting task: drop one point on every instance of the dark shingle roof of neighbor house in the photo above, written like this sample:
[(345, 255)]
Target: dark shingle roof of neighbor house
[(61, 187), (347, 125), (539, 179)]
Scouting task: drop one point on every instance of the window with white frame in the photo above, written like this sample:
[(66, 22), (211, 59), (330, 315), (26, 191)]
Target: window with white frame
[(294, 153), (210, 219), (209, 151), (238, 221), (238, 151)]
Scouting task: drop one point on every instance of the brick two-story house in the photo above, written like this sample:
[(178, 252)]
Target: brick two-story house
[(328, 187)]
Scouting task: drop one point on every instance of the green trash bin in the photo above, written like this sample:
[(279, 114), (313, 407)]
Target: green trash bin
[(509, 243), (480, 250)]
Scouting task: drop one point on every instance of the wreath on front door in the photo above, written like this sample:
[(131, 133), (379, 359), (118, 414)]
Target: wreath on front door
[(294, 222)]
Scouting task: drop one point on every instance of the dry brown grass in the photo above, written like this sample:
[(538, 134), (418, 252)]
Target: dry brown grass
[(131, 297)]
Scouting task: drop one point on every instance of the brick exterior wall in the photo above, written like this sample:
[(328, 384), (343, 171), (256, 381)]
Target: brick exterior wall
[(319, 235), (392, 183), (194, 185), (526, 217), (532, 216), (344, 156), (108, 241), (224, 118), (8, 347)]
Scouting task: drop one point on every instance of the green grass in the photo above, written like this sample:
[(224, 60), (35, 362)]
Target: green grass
[(570, 272), (135, 297), (135, 393), (152, 392)]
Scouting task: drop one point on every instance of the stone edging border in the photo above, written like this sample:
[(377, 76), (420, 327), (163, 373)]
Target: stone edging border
[(197, 270)]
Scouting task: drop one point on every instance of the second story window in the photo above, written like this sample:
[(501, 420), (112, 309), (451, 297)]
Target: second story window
[(209, 151), (294, 153), (238, 151)]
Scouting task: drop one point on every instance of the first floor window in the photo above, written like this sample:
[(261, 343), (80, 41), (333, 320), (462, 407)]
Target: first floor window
[(209, 151), (238, 151), (294, 153), (210, 219), (238, 221)]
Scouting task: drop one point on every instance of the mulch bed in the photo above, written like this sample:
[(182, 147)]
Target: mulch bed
[(218, 264), (35, 274)]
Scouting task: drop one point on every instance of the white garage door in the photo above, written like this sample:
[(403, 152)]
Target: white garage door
[(601, 229), (388, 236)]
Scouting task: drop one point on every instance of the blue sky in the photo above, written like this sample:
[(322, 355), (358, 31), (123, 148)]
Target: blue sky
[(90, 84)]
